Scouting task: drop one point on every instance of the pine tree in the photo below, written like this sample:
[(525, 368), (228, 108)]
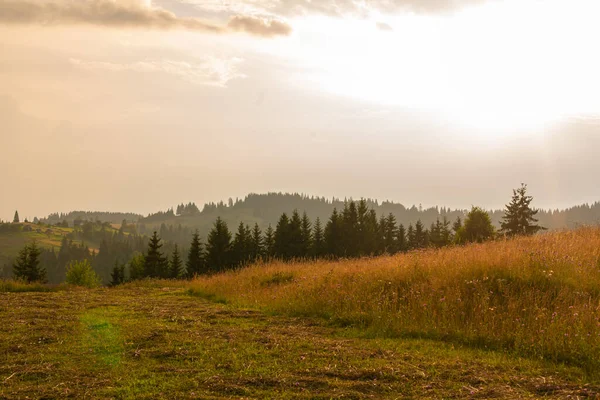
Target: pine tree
[(401, 239), (195, 264), (282, 238), (218, 247), (318, 247), (21, 265), (307, 237), (257, 248), (519, 217), (175, 266), (155, 264), (269, 242), (334, 235), (37, 272), (27, 265), (411, 238), (117, 276), (390, 234), (16, 219), (295, 236), (420, 235), (242, 245)]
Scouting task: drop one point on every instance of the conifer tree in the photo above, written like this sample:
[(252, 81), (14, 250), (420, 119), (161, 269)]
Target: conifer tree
[(390, 234), (27, 265), (195, 263), (175, 265), (420, 235), (257, 247), (318, 247), (519, 217), (349, 221), (296, 242), (411, 238), (155, 264), (282, 238), (269, 242), (117, 276), (306, 234), (218, 247), (242, 245), (333, 235), (401, 239), (16, 219)]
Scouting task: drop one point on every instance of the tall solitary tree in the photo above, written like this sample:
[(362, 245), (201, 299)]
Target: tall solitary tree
[(519, 217), (195, 264), (16, 219), (156, 264)]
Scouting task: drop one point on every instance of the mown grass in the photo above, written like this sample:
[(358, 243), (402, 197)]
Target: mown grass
[(153, 341), (538, 296)]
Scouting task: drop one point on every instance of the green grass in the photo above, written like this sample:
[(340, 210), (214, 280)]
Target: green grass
[(153, 340)]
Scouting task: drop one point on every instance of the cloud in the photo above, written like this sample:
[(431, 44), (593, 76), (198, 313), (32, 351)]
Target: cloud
[(126, 13), (259, 26), (211, 71), (333, 7), (384, 27)]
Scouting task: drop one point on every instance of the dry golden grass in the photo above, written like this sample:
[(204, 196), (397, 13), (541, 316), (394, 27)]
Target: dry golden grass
[(536, 296)]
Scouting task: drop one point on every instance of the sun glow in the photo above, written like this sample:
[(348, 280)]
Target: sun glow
[(503, 67)]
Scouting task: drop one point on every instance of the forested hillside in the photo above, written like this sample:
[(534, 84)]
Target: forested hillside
[(266, 209)]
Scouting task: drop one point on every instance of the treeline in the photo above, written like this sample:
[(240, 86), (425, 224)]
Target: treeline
[(75, 218), (355, 231)]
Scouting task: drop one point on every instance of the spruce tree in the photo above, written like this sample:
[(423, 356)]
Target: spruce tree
[(318, 247), (307, 237), (195, 264), (16, 219), (242, 245), (117, 275), (420, 235), (155, 264), (282, 238), (175, 266), (218, 247), (411, 238), (334, 235), (390, 234), (269, 242), (27, 265), (402, 246), (519, 217), (257, 248), (21, 265), (296, 242)]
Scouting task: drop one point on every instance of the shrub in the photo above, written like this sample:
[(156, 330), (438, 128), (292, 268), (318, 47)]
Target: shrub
[(81, 273)]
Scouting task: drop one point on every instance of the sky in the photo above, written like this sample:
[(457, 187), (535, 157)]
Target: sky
[(138, 105)]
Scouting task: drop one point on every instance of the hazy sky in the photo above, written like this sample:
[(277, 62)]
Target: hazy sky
[(132, 105)]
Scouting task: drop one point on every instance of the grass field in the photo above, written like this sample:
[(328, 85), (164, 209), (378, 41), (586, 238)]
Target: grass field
[(537, 297), (154, 340), (508, 319)]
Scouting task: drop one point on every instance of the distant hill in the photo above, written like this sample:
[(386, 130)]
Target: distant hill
[(71, 217), (266, 209)]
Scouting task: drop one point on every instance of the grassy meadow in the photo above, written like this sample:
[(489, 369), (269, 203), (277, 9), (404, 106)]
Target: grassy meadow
[(535, 296), (509, 319)]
